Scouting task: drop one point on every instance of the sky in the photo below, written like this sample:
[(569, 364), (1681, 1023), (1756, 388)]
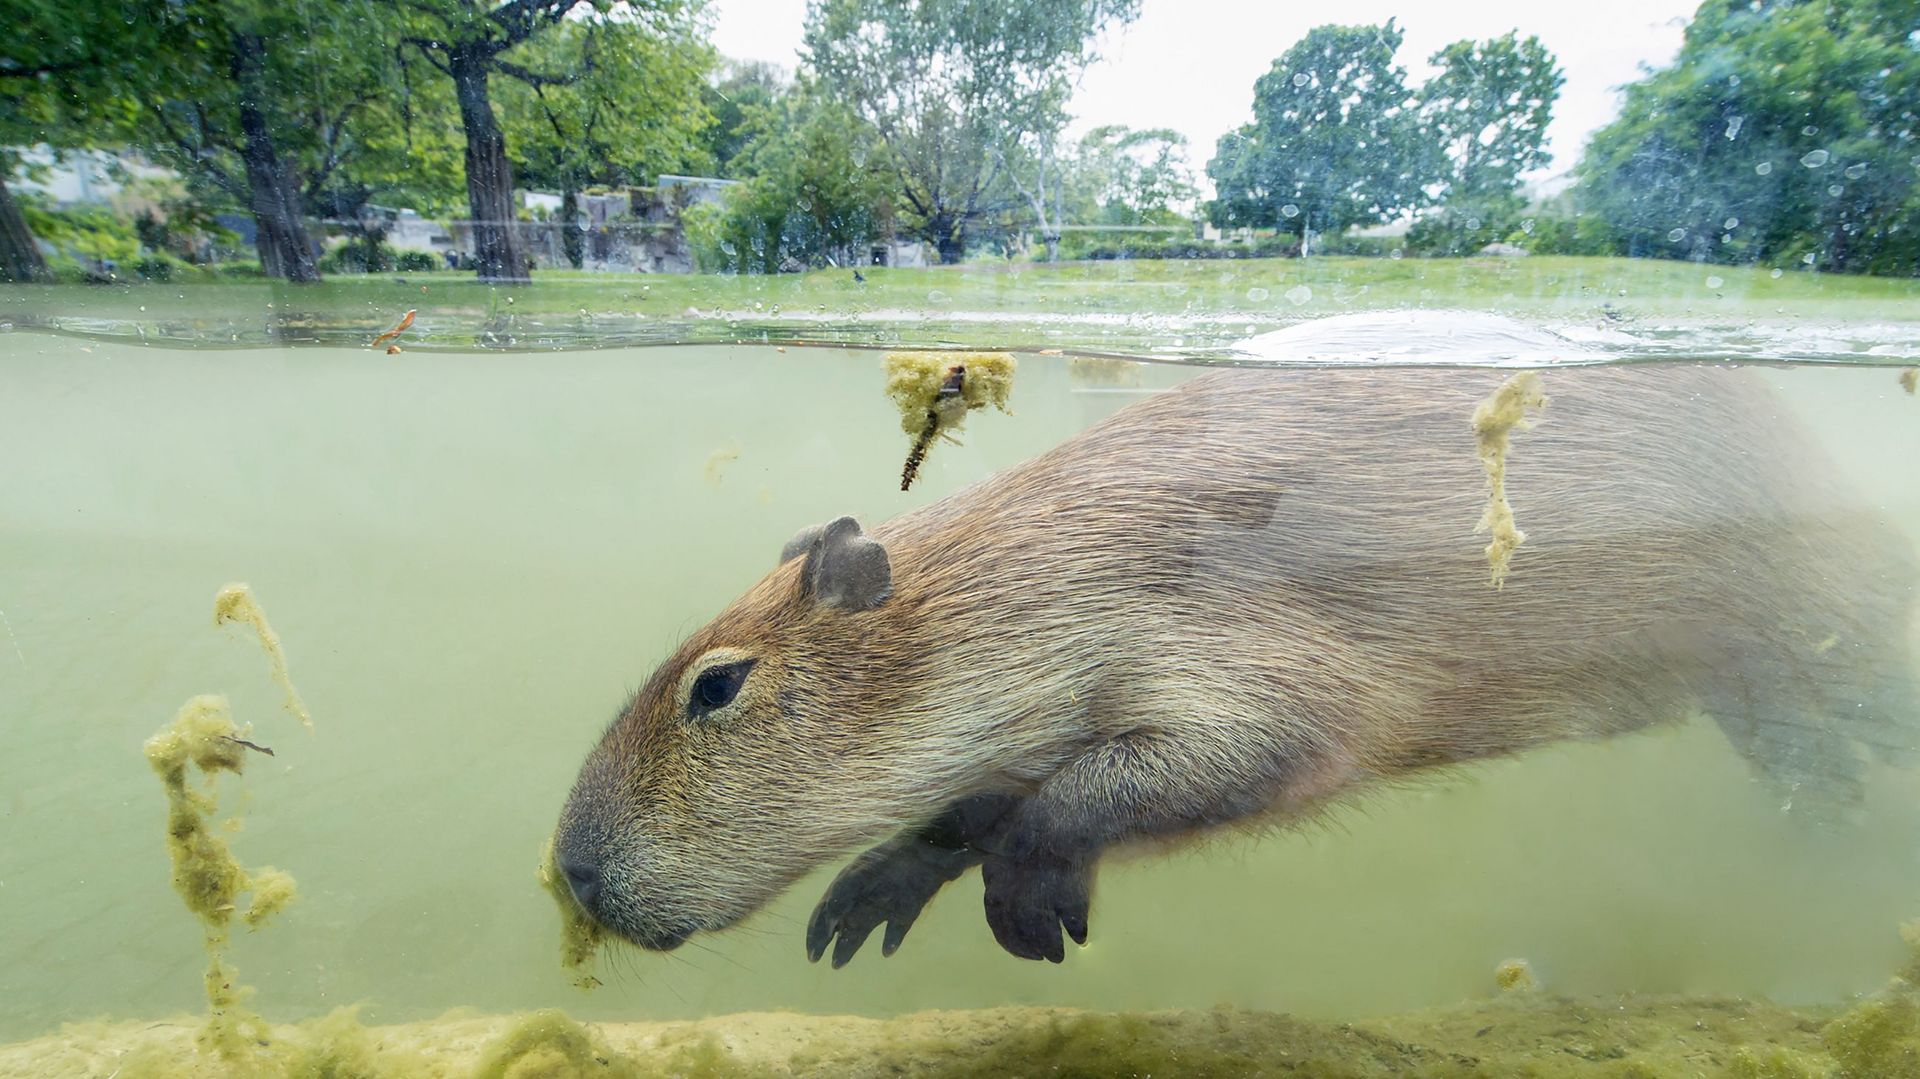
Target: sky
[(1190, 64)]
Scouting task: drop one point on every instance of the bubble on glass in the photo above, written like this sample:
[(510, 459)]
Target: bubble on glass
[(1527, 226), (1835, 190), (1807, 258), (1730, 223), (1300, 78), (1473, 224), (1256, 294), (1854, 172), (1733, 126), (1763, 167), (1289, 210), (1733, 80), (1813, 159), (1715, 281), (1677, 235), (1810, 129), (1777, 271), (936, 296), (1396, 253), (1299, 294)]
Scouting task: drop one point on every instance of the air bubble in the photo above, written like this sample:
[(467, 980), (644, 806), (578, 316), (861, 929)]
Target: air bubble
[(1716, 282), (1289, 210), (1257, 294), (1300, 78), (1813, 159), (1299, 294), (1854, 172), (1677, 235)]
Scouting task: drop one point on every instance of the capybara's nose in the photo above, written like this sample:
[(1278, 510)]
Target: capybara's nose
[(584, 880)]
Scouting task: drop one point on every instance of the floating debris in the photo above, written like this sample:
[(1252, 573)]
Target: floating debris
[(717, 462), (399, 328), (1493, 422), (935, 390), (1910, 380)]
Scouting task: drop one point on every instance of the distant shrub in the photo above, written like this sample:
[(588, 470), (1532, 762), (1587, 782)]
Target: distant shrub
[(1262, 247), (156, 267), (240, 268), (416, 261)]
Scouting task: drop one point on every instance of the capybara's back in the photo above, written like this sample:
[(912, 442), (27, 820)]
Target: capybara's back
[(1688, 548)]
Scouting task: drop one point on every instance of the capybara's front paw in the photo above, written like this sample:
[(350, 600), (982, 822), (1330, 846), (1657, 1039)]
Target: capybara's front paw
[(891, 883), (1029, 901)]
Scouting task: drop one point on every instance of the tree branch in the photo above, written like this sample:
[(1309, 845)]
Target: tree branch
[(534, 78)]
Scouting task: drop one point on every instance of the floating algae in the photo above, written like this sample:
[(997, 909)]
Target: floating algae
[(209, 879), (717, 463), (1910, 380), (935, 390), (235, 604), (1515, 976), (1103, 372), (580, 936), (1493, 422)]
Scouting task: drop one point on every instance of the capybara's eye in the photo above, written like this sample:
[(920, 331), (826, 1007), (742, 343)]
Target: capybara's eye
[(716, 687)]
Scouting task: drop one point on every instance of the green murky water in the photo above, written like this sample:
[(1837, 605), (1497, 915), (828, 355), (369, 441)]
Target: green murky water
[(473, 557)]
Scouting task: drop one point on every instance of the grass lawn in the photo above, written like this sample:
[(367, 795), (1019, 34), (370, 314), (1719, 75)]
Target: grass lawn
[(1193, 306)]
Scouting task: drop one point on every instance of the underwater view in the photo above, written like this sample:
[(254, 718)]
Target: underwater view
[(1072, 538)]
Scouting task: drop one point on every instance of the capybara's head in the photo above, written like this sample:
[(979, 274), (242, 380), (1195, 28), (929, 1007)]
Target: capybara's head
[(729, 775)]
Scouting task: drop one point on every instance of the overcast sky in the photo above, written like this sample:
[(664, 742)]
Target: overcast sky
[(1190, 64)]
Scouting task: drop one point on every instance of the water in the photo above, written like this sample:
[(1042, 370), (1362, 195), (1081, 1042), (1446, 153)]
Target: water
[(473, 557)]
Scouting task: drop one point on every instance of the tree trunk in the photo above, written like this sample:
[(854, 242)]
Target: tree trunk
[(20, 259), (280, 235), (949, 241), (497, 253), (572, 240)]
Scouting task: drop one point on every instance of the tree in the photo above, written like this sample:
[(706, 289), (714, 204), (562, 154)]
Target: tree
[(253, 102), (1120, 176), (957, 88), (52, 50), (1784, 130), (820, 189), (1335, 139), (1488, 111), (733, 98), (469, 42), (634, 109)]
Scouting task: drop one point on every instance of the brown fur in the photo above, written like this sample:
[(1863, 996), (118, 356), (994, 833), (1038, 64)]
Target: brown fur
[(1253, 595)]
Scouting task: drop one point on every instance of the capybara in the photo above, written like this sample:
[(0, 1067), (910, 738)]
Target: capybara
[(1237, 602)]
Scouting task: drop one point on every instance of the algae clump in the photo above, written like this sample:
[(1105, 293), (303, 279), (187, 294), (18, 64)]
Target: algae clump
[(1515, 976), (1494, 421), (235, 603), (548, 1044), (1910, 380), (934, 391), (210, 880), (580, 936)]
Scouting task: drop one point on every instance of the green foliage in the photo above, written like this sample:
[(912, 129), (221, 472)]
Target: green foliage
[(1489, 108), (1121, 176), (821, 190), (962, 92), (628, 103), (1785, 132), (1335, 141), (734, 98), (82, 234)]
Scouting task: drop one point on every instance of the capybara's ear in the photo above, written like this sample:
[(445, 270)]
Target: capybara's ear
[(845, 567), (801, 543)]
